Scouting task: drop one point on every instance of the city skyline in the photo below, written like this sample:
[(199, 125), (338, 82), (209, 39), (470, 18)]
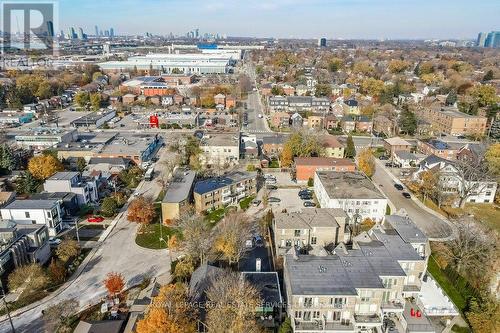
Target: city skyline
[(338, 19)]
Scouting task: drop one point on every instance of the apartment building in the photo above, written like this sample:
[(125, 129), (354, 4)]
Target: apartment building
[(46, 212), (179, 194), (220, 149), (21, 245), (312, 227), (298, 104), (353, 289), (439, 148), (451, 121), (351, 191), (305, 167), (273, 145), (392, 145), (84, 187), (217, 192), (333, 148)]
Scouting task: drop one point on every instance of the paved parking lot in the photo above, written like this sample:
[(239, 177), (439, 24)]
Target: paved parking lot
[(289, 200), (283, 179)]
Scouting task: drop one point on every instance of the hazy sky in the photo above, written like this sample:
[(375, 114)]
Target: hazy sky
[(288, 18)]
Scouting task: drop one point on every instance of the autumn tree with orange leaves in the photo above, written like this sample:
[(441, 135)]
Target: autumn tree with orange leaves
[(169, 312), (44, 166), (114, 283), (141, 211), (366, 162)]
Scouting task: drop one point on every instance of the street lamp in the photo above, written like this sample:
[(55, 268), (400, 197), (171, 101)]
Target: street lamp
[(7, 308)]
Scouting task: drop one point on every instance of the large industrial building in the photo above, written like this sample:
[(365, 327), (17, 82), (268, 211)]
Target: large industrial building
[(219, 62)]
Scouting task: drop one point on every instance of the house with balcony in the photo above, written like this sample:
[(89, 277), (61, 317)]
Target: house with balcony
[(311, 227), (84, 187), (40, 212), (353, 288), (217, 192)]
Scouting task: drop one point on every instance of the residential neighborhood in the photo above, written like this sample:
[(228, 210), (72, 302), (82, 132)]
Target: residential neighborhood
[(156, 182)]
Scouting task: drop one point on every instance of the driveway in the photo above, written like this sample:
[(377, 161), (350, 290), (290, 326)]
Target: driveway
[(116, 253), (433, 226), (290, 200)]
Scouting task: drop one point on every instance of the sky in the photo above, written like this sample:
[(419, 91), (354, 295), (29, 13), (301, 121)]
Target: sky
[(333, 19)]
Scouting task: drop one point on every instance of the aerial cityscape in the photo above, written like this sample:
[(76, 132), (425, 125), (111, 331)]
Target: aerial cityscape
[(238, 167)]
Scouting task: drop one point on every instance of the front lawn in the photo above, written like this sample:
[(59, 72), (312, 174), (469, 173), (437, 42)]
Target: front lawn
[(214, 216), (149, 236), (245, 203), (487, 214), (274, 164), (447, 285)]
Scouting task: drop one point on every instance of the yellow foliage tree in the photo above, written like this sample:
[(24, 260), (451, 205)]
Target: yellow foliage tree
[(286, 156), (366, 162), (493, 158), (169, 312), (44, 166)]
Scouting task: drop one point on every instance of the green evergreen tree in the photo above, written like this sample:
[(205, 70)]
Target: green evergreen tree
[(7, 161), (488, 76), (27, 184), (407, 122), (451, 98), (350, 150)]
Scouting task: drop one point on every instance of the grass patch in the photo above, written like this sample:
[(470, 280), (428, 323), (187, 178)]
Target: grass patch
[(274, 164), (149, 237), (460, 329), (245, 203), (487, 214), (215, 215), (429, 203), (447, 285)]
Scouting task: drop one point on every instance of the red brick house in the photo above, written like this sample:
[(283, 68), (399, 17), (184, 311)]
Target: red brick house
[(305, 167)]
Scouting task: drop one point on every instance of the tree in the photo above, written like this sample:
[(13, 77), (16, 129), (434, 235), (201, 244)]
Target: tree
[(44, 166), (485, 95), (31, 278), (57, 317), (109, 206), (407, 122), (363, 67), (27, 184), (114, 283), (372, 87), (141, 211), (366, 162), (96, 75), (483, 316), (286, 156), (277, 91), (57, 271), (230, 236), (323, 90), (69, 248), (335, 64), (235, 301), (169, 312), (451, 98), (488, 76), (470, 250), (492, 157), (350, 150), (301, 144), (95, 101), (81, 164), (286, 326), (428, 184), (184, 268), (472, 176), (7, 161), (398, 66), (82, 98), (196, 237)]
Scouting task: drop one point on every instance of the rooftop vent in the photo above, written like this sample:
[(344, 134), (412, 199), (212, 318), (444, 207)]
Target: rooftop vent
[(322, 269)]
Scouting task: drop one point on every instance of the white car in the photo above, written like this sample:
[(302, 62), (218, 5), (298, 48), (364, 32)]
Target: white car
[(54, 241), (260, 115)]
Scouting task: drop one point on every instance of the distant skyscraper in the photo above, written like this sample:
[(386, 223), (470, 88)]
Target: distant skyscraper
[(81, 34), (111, 32), (106, 33), (71, 33), (481, 39), (50, 28), (196, 33), (96, 30), (322, 42)]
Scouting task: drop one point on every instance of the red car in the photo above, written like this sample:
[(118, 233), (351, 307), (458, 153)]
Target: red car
[(95, 219)]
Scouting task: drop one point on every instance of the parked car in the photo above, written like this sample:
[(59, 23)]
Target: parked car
[(271, 187), (398, 187), (389, 165), (95, 219), (406, 195), (256, 202), (383, 158), (268, 176), (309, 204), (304, 192), (258, 241), (53, 242), (274, 199)]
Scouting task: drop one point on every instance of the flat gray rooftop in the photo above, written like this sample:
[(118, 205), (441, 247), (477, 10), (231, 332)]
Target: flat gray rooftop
[(348, 185), (180, 186)]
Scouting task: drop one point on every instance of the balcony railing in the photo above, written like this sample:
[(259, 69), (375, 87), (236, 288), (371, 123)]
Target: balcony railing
[(372, 319), (323, 326)]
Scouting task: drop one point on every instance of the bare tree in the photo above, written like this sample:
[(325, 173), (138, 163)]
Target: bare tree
[(235, 301), (472, 177), (230, 236), (472, 248), (196, 237), (56, 318)]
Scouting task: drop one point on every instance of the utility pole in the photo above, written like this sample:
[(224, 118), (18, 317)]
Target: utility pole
[(77, 235), (7, 308)]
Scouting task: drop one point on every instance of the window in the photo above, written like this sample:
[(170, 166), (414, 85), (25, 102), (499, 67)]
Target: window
[(298, 314), (297, 233), (288, 242), (313, 240), (308, 302), (307, 315), (315, 314), (336, 316), (27, 215)]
